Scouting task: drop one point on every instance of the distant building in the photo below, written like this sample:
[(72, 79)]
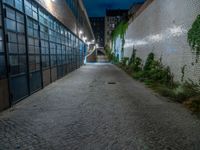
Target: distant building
[(112, 19), (98, 26)]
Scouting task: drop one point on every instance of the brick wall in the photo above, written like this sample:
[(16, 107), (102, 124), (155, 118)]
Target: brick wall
[(162, 28)]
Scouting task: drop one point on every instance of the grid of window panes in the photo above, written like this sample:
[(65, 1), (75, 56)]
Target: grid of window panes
[(45, 54), (14, 24), (44, 38), (77, 53), (18, 4), (74, 52), (57, 40), (2, 53), (49, 43), (33, 45), (62, 40), (52, 42), (53, 54), (81, 52), (59, 54), (67, 48), (71, 51), (31, 9)]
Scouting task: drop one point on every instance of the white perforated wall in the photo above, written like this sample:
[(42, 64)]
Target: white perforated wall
[(162, 28)]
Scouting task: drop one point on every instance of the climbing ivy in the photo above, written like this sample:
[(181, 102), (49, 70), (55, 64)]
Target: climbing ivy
[(194, 36), (120, 30)]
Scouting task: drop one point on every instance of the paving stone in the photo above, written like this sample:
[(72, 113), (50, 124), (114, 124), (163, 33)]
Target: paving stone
[(83, 112)]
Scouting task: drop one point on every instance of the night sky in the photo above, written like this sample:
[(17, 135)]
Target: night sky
[(96, 8)]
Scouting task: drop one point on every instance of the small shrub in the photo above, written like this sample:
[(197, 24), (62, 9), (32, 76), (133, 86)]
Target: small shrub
[(159, 77), (124, 61), (193, 104), (138, 75), (163, 90), (148, 82), (136, 65), (182, 92), (154, 70), (149, 62), (115, 59), (132, 59)]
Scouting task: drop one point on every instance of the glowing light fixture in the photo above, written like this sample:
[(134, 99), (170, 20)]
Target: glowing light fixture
[(80, 32), (88, 43), (84, 38)]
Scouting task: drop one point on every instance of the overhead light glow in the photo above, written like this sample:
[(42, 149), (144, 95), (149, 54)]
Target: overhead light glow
[(80, 32)]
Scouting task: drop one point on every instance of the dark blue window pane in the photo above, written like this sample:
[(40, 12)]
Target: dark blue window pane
[(19, 5), (10, 24), (9, 2), (2, 65)]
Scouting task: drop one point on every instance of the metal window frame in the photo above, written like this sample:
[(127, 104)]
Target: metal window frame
[(72, 49)]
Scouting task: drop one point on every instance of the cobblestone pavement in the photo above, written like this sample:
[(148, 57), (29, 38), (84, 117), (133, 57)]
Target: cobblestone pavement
[(87, 111)]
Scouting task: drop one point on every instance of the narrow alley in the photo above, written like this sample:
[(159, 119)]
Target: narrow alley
[(98, 107)]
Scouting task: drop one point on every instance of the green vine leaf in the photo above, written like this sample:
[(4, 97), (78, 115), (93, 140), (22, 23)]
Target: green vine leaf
[(120, 30), (194, 36)]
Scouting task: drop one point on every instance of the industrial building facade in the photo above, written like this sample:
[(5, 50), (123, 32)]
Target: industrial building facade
[(36, 48)]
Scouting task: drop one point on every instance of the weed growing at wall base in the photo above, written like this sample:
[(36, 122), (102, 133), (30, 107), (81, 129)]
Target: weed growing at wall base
[(159, 78)]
